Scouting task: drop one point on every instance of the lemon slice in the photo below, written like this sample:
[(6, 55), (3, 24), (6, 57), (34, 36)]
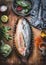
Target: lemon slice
[(4, 18)]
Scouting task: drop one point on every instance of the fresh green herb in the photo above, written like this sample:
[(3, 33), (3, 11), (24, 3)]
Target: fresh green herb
[(7, 37), (6, 29), (22, 3), (5, 49), (24, 11), (25, 5), (1, 33)]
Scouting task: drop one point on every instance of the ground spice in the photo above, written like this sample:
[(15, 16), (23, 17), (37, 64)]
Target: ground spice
[(38, 41)]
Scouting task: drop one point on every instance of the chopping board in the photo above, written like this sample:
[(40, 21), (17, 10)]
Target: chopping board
[(35, 59)]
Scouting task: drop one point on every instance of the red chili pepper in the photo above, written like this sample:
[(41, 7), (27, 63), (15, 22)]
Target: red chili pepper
[(19, 8)]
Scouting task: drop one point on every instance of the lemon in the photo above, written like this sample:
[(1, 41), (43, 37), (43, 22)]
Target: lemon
[(4, 18), (43, 34)]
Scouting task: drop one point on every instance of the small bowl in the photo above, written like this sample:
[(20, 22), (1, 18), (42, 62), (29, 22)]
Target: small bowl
[(3, 8), (42, 48), (14, 5)]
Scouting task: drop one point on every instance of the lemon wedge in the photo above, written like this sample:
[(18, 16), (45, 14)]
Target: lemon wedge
[(43, 35)]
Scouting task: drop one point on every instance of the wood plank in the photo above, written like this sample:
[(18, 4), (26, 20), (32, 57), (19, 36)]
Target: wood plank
[(36, 55)]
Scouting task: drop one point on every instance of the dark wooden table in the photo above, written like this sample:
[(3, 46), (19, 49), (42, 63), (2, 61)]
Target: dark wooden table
[(35, 59)]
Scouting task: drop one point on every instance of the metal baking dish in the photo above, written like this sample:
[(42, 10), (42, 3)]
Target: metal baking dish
[(30, 48)]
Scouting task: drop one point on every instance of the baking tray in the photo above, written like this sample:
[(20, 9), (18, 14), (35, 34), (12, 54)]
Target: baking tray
[(31, 44)]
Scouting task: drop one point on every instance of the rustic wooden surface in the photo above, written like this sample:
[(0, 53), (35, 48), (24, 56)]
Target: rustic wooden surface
[(35, 59)]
